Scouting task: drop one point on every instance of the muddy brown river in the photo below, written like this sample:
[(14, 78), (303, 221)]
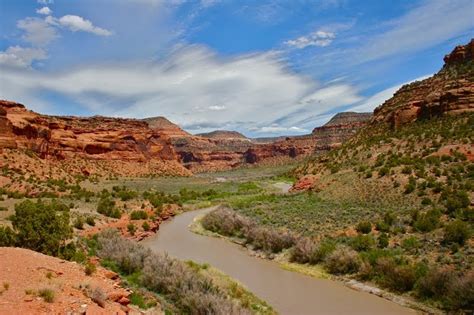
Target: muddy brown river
[(288, 292)]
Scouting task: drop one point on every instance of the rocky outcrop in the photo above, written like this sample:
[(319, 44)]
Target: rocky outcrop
[(340, 128), (450, 91), (93, 138)]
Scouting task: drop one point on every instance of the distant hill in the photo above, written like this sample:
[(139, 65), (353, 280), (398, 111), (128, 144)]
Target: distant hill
[(223, 134)]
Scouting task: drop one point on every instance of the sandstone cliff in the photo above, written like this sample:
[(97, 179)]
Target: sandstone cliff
[(450, 91), (340, 128), (90, 139)]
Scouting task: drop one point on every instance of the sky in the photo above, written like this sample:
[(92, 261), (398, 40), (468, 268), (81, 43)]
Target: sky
[(264, 68)]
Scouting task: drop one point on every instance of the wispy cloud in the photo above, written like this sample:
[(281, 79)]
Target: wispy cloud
[(377, 99), (318, 38), (37, 32), (248, 89), (76, 23), (431, 23), (17, 56)]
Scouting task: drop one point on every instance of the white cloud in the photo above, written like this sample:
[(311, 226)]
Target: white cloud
[(429, 24), (37, 31), (44, 11), (76, 23), (275, 128), (318, 38), (17, 56), (250, 91), (216, 107), (375, 100), (45, 1)]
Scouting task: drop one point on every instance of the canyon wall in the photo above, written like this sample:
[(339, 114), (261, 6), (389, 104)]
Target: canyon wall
[(450, 91)]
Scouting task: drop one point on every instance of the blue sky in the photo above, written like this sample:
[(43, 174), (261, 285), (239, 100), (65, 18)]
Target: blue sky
[(269, 67)]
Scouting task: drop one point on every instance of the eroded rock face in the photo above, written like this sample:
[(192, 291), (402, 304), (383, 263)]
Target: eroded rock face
[(340, 128), (450, 91), (94, 138)]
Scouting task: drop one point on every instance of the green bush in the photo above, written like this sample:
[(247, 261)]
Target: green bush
[(411, 243), (47, 295), (428, 221), (90, 268), (7, 237), (457, 232), (79, 223), (43, 227), (138, 215), (383, 240), (362, 242), (107, 207), (455, 200), (364, 227), (131, 228), (90, 220), (146, 226)]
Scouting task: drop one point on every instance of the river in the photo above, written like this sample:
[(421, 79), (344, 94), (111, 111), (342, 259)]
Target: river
[(288, 292)]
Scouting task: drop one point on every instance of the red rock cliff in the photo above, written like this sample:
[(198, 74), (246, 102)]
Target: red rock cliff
[(93, 138), (450, 91)]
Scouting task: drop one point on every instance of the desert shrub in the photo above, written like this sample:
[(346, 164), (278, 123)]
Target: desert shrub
[(7, 236), (455, 200), (123, 193), (131, 228), (302, 251), (453, 290), (106, 206), (97, 295), (382, 226), (324, 249), (90, 220), (47, 295), (428, 221), (189, 291), (128, 256), (138, 215), (383, 240), (396, 277), (42, 227), (362, 242), (269, 240), (90, 268), (457, 232), (411, 243), (342, 260), (146, 226), (79, 223), (223, 221), (411, 185), (364, 227)]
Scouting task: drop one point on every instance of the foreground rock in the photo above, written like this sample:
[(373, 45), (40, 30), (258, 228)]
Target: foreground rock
[(33, 283)]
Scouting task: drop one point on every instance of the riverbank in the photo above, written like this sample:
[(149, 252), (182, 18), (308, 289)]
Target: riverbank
[(315, 271), (287, 291)]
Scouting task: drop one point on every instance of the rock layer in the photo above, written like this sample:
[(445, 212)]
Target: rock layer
[(93, 139), (131, 142), (450, 91), (340, 128)]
